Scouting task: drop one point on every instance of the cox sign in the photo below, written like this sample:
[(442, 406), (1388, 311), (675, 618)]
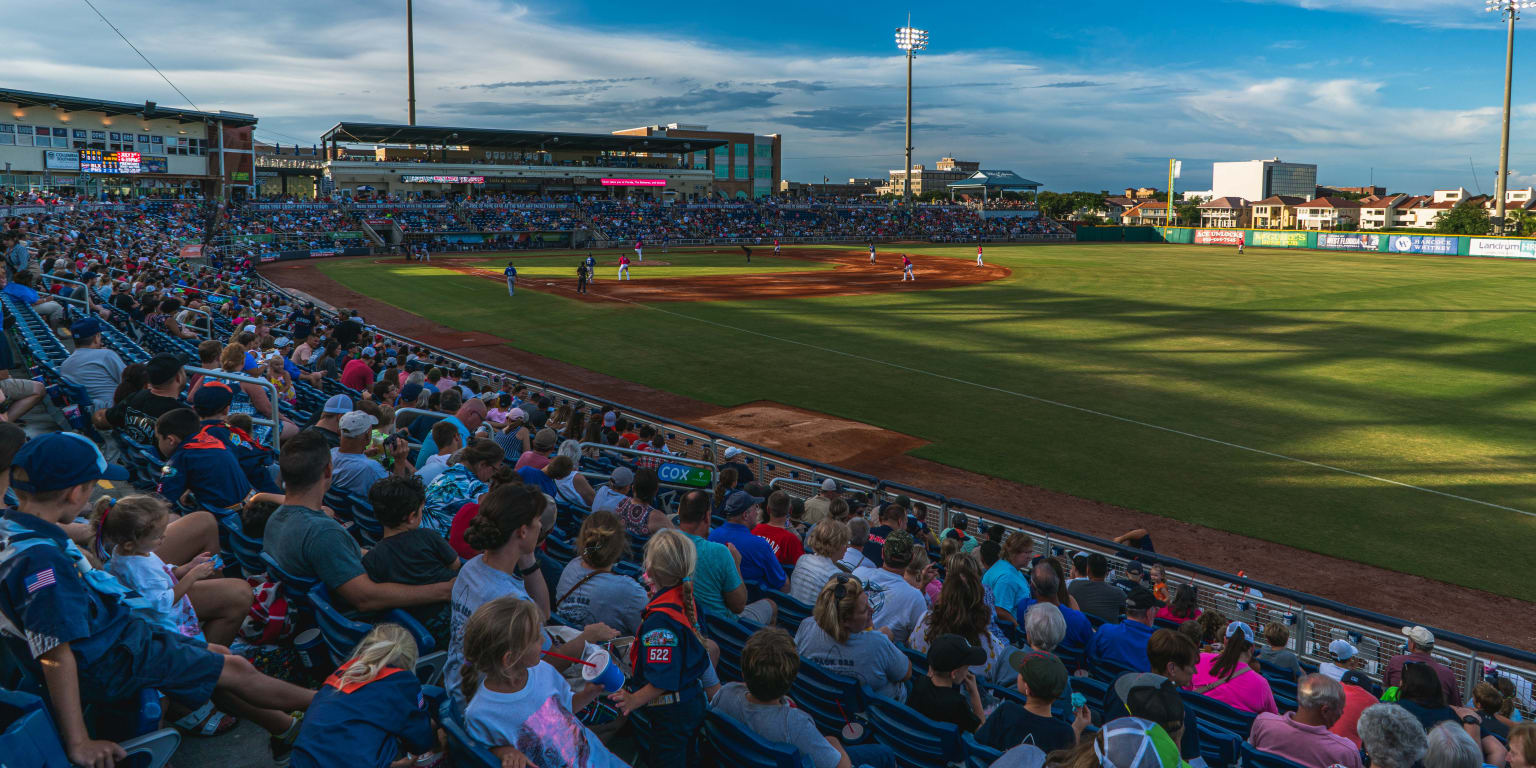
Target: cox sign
[(682, 474)]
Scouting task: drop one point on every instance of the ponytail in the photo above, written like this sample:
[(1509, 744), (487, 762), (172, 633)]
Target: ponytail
[(388, 645)]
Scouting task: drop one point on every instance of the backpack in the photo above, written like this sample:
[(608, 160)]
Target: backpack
[(268, 621)]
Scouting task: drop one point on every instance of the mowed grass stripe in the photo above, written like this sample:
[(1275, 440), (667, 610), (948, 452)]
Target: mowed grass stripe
[(1412, 368)]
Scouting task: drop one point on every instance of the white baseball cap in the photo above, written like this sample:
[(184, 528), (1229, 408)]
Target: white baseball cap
[(1342, 650), (356, 424), (1419, 635)]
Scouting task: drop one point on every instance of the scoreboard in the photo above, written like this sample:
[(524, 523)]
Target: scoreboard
[(99, 161)]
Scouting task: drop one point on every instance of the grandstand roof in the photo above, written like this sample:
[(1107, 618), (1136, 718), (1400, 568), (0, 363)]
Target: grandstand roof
[(390, 133), (994, 179), (143, 109)]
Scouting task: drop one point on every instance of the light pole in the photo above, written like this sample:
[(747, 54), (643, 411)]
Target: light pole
[(1510, 9), (911, 40), (410, 64)]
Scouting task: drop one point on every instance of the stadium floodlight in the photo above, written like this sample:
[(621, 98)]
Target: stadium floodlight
[(911, 40), (1510, 10)]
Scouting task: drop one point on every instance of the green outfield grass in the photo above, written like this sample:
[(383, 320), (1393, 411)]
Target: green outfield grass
[(703, 263), (1414, 369)]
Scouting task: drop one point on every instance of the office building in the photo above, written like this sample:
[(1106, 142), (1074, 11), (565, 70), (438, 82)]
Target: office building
[(1262, 179)]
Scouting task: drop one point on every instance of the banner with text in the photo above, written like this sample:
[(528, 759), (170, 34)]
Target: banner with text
[(1346, 242), (1280, 239), (1218, 236), (1442, 246), (1502, 248)]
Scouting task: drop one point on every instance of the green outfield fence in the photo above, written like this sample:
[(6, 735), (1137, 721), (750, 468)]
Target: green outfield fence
[(1360, 242)]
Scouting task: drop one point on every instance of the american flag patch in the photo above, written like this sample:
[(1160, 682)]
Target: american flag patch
[(36, 581)]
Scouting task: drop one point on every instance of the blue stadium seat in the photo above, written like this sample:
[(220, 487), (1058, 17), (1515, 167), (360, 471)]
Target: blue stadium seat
[(1074, 657), (791, 611), (29, 737), (731, 634), (827, 697), (1219, 746), (978, 755), (245, 549), (918, 660), (462, 748), (728, 742), (1219, 713), (297, 589), (1253, 758), (342, 634), (917, 741)]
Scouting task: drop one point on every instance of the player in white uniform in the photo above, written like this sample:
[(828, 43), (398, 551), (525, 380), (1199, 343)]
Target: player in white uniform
[(979, 262), (871, 253), (906, 269), (775, 246), (623, 267)]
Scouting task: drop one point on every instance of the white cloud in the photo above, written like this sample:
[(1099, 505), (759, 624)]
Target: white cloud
[(1423, 13), (301, 66)]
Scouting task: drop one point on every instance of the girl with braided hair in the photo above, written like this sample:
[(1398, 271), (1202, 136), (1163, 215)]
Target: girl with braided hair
[(669, 658)]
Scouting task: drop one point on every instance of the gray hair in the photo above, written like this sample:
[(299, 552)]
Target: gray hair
[(571, 449), (416, 377), (858, 531), (1392, 737), (1450, 746), (1317, 691), (1044, 626)]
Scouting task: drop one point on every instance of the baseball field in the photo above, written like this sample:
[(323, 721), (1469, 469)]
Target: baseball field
[(1307, 398)]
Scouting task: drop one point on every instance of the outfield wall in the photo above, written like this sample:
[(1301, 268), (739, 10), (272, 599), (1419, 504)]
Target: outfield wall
[(1364, 242)]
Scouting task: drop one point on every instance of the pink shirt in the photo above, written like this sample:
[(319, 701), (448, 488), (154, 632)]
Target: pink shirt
[(1309, 745), (1247, 690), (532, 459), (1165, 613), (357, 375)]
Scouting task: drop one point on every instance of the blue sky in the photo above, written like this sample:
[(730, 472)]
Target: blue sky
[(1063, 93)]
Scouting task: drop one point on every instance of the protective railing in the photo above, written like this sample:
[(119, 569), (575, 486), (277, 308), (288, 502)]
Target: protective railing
[(273, 427), (1313, 620)]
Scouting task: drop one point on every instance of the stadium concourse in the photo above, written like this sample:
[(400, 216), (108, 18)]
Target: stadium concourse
[(229, 512)]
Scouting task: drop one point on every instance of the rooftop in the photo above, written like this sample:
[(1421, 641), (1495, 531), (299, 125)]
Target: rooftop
[(147, 109), (499, 138)]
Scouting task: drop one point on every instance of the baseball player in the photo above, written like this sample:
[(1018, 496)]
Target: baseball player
[(591, 265), (1240, 245), (979, 262), (582, 276), (511, 273), (666, 237), (748, 252), (775, 246), (906, 269), (640, 250), (623, 266), (871, 251)]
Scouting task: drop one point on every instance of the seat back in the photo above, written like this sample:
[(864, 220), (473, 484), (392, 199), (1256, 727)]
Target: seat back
[(297, 589), (340, 633), (365, 526), (462, 748), (731, 634), (791, 611), (1219, 746), (978, 755), (917, 741), (731, 743), (1219, 713), (827, 696), (1253, 758), (246, 550)]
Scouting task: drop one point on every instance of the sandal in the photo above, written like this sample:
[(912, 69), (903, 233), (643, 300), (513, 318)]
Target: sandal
[(206, 721)]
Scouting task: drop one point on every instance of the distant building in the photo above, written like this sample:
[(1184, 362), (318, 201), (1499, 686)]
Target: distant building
[(1389, 211), (853, 188), (1146, 213), (1260, 179), (1328, 213), (1142, 193), (746, 166), (1276, 212), (1449, 195), (1351, 191), (1229, 212), (926, 179)]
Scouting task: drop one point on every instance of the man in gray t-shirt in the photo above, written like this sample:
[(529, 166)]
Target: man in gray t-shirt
[(1094, 596), (91, 365), (310, 545)]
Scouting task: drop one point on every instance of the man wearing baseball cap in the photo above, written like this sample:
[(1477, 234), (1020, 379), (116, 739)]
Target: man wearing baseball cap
[(950, 692), (354, 472), (1042, 679), (1421, 647), (1125, 644), (1345, 658), (136, 413), (895, 603), (759, 568), (732, 456), (816, 507), (211, 402), (92, 365), (616, 491), (83, 640), (329, 423), (1132, 742)]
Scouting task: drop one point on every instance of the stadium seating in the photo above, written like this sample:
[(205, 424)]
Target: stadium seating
[(729, 743), (1253, 758), (832, 700), (462, 748), (28, 737), (917, 741), (1219, 713)]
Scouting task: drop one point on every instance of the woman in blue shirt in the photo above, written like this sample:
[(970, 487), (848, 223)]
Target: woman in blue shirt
[(669, 657)]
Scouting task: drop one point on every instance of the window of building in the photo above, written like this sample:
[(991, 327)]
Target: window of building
[(723, 162), (740, 160)]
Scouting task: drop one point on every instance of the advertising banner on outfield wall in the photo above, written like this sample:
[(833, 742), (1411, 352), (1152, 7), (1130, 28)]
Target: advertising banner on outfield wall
[(1342, 242), (1218, 236), (1504, 249), (1280, 239), (1443, 246)]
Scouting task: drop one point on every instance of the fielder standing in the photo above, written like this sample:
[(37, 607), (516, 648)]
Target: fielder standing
[(623, 266), (640, 250), (591, 265), (775, 246), (511, 273), (871, 251), (979, 262), (748, 252), (906, 269)]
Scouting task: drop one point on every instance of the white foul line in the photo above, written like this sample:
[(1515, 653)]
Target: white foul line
[(1078, 408)]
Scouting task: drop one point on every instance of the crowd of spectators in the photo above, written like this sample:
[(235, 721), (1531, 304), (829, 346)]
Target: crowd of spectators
[(523, 535)]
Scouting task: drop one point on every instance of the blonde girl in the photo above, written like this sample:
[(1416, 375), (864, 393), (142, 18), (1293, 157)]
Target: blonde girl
[(369, 708)]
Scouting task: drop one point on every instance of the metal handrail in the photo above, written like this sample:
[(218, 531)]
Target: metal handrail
[(1316, 611), (275, 422), (662, 459)]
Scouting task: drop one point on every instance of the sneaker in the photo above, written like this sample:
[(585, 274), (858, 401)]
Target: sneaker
[(282, 746)]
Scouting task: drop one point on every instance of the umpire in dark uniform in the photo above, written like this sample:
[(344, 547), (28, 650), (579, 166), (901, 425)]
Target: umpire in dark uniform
[(582, 275)]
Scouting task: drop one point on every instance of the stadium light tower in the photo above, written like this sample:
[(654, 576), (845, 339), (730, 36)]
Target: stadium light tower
[(410, 64), (911, 40), (1510, 9)]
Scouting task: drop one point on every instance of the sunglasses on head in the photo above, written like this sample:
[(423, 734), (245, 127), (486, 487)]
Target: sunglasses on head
[(841, 590)]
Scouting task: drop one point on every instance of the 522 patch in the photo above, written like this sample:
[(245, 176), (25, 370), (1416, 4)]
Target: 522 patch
[(659, 656)]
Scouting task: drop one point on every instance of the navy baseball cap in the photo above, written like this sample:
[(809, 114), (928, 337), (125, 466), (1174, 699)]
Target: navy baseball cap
[(61, 460), (85, 327), (739, 502), (212, 397)]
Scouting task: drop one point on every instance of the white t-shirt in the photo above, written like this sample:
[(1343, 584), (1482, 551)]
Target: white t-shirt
[(432, 467), (896, 603), (537, 720), (854, 558), (476, 585), (869, 657), (606, 499), (1332, 670), (154, 580), (812, 572)]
